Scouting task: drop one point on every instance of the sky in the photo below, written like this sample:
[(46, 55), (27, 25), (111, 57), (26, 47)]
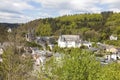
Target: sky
[(22, 11)]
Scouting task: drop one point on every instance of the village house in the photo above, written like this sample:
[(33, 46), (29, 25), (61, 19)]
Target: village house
[(101, 46), (40, 56), (113, 56), (45, 41), (9, 30), (93, 49), (87, 44), (69, 41), (113, 53), (112, 37), (111, 49)]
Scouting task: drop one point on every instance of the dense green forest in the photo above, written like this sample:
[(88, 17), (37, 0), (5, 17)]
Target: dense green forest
[(94, 27), (9, 25)]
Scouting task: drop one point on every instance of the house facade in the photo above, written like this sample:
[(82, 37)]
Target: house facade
[(9, 30), (114, 56), (69, 41), (87, 44)]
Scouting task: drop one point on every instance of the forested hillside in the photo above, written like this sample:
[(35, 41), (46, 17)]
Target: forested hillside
[(9, 25), (3, 30), (96, 27)]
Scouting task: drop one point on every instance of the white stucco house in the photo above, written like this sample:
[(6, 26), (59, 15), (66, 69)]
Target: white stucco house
[(87, 44), (69, 41), (114, 56), (111, 49), (112, 37), (9, 30)]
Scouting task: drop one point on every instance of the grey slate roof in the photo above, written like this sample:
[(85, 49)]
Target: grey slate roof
[(70, 37)]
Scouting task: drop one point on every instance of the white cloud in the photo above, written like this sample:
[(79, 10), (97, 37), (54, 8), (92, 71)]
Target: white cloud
[(115, 10), (109, 1), (64, 12), (13, 10), (70, 6), (67, 4), (16, 5), (14, 18), (113, 5), (22, 10)]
